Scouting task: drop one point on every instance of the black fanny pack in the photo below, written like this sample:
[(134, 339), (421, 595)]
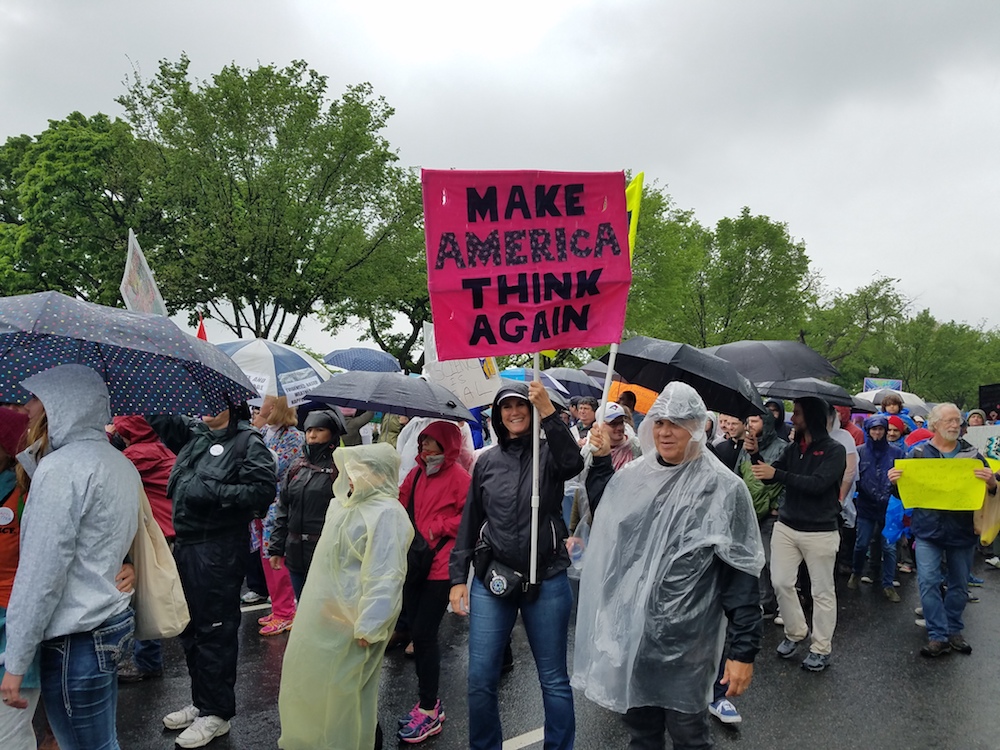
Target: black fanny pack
[(500, 579)]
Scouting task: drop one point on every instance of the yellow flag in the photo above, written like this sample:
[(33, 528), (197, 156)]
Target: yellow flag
[(633, 197)]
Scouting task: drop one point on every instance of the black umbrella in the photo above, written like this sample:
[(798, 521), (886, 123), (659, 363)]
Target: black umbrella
[(774, 360), (391, 392), (804, 387), (653, 363), (575, 382), (149, 364), (863, 406)]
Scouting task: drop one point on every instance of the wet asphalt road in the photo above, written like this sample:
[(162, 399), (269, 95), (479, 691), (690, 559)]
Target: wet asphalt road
[(878, 692)]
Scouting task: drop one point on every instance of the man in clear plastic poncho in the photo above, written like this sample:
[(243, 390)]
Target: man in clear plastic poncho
[(329, 679), (674, 552)]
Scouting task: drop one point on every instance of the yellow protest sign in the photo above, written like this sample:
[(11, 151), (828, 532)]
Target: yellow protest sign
[(633, 197), (940, 483)]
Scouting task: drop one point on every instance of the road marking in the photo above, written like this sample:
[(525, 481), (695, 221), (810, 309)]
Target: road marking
[(254, 607), (525, 740)]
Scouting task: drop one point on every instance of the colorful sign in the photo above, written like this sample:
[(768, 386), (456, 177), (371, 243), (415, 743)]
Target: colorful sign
[(940, 483), (138, 286), (877, 384), (518, 262)]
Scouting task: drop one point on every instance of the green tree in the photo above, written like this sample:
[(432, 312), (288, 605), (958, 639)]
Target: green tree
[(671, 248), (276, 196), (67, 200), (937, 361), (853, 329), (747, 279), (390, 290)]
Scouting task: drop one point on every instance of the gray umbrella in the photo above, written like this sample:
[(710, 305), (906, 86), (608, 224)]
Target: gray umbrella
[(805, 387), (576, 382), (149, 364), (774, 360), (391, 392)]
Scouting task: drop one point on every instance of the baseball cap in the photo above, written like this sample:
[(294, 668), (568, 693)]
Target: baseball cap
[(612, 411)]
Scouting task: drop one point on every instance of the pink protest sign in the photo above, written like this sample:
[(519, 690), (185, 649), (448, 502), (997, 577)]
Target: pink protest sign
[(519, 262)]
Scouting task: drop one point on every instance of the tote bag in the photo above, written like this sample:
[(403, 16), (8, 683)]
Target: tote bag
[(161, 610)]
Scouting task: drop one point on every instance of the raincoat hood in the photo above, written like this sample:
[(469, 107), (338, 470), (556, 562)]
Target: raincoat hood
[(516, 388), (373, 469), (781, 408), (135, 429), (76, 403), (680, 404), (768, 433), (448, 436), (878, 420)]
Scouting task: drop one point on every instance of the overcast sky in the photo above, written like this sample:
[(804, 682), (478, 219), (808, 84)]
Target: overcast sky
[(871, 128)]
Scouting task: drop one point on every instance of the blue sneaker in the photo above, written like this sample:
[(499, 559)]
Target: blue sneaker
[(725, 711), (421, 727), (973, 581), (415, 713)]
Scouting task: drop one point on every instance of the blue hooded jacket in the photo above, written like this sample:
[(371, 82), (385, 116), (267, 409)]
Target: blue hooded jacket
[(875, 458)]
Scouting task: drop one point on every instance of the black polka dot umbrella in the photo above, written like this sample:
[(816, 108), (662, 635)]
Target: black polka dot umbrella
[(149, 364)]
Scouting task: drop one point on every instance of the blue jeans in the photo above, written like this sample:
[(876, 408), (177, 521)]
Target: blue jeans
[(867, 530), (80, 683), (943, 613), (298, 582), (546, 622), (148, 656)]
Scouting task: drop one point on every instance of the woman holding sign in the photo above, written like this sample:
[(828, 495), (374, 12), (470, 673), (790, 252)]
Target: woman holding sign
[(494, 534)]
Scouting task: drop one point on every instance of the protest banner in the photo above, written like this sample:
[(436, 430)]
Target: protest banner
[(523, 261), (475, 381), (940, 483), (979, 436), (138, 287)]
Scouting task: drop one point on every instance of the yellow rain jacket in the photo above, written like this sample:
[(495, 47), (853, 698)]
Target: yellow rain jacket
[(329, 683)]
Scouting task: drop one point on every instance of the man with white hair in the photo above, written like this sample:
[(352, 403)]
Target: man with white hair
[(945, 537), (674, 555)]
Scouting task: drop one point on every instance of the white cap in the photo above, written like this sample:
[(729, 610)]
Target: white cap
[(612, 411)]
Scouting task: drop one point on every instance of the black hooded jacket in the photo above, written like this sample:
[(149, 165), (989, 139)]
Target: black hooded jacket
[(812, 474), (305, 495), (781, 428), (499, 502)]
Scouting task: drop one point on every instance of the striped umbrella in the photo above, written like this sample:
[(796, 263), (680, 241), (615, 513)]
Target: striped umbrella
[(276, 369)]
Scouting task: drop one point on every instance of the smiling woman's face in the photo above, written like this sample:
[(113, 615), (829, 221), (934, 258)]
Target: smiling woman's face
[(515, 414)]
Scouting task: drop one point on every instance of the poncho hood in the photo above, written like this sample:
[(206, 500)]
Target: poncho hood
[(373, 470), (76, 403)]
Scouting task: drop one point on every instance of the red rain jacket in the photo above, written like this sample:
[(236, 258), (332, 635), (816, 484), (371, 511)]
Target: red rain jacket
[(154, 462), (438, 498)]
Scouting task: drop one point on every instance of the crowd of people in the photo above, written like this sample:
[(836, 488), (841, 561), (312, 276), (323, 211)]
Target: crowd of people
[(687, 531)]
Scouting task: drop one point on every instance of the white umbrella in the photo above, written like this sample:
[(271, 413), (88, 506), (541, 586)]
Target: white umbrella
[(909, 399), (277, 369)]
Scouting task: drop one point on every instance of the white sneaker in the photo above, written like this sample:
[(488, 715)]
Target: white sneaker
[(993, 561), (202, 731), (778, 621), (181, 719)]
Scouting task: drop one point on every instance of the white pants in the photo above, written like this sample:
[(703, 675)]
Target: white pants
[(16, 732), (819, 550)]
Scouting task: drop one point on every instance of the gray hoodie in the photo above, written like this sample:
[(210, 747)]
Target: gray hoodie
[(79, 519)]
